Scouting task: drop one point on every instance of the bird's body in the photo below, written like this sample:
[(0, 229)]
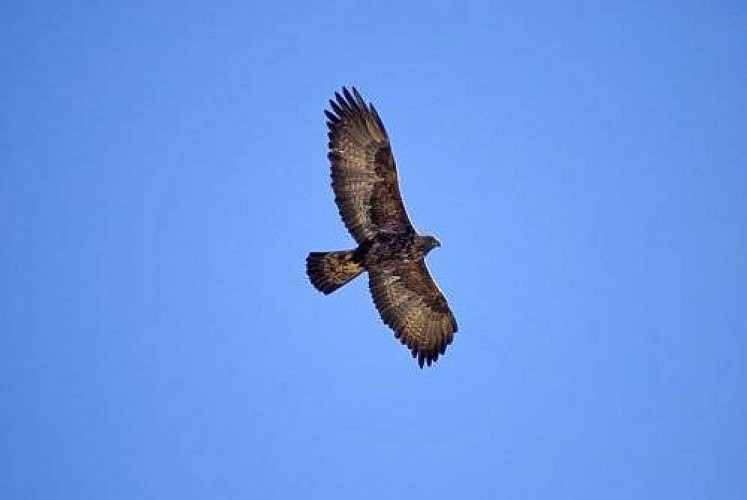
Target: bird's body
[(364, 179), (395, 247)]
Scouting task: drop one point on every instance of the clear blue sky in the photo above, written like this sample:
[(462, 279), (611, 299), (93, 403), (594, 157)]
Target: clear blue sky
[(164, 174)]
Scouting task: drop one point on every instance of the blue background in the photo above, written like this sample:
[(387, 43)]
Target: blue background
[(164, 174)]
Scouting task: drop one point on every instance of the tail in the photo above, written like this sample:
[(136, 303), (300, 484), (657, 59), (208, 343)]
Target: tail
[(328, 271)]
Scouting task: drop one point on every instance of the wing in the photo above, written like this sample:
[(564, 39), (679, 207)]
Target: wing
[(364, 175), (411, 303)]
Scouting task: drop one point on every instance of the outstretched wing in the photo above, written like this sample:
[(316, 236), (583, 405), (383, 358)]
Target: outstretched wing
[(364, 175), (411, 303)]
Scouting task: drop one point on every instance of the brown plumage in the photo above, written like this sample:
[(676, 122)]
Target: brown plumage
[(364, 180)]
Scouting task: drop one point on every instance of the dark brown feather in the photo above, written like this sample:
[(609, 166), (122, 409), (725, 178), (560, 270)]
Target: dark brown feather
[(411, 303), (328, 271), (364, 173)]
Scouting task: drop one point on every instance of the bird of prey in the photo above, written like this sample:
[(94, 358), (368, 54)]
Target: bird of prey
[(366, 188)]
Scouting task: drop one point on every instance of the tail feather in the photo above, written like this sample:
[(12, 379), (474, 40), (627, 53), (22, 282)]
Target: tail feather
[(328, 271)]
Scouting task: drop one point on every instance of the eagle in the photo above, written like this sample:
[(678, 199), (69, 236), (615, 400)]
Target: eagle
[(389, 249)]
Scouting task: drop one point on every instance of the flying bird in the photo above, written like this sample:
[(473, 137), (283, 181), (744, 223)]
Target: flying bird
[(366, 188)]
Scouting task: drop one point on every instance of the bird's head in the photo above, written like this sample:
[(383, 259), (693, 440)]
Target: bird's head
[(429, 243)]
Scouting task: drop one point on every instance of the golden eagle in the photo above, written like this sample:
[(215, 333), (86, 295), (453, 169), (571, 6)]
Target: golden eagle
[(364, 179)]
